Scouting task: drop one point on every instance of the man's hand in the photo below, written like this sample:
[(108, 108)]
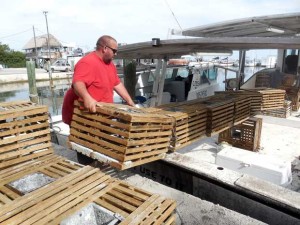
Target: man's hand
[(90, 104), (88, 101)]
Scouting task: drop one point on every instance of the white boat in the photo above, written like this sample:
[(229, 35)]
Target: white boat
[(250, 33), (192, 169)]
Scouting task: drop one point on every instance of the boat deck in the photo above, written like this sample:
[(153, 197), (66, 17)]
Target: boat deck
[(279, 140)]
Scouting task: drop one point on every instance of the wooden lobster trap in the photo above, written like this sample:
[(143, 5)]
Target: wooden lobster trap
[(272, 98), (38, 187), (26, 150), (88, 195), (189, 124), (121, 135), (220, 113), (261, 99), (283, 112), (242, 105), (293, 94), (246, 135), (24, 133)]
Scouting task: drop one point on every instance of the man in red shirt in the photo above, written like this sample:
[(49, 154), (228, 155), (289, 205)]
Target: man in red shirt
[(95, 78)]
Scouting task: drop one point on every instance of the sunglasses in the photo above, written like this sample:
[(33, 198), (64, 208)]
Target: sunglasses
[(113, 49)]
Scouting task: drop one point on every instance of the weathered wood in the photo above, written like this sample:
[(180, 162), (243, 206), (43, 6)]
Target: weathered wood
[(24, 131), (189, 124), (123, 133), (33, 95), (283, 112), (246, 135), (261, 98), (65, 196), (25, 149)]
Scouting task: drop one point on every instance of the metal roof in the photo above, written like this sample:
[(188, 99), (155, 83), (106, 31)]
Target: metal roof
[(177, 47), (243, 34), (287, 24)]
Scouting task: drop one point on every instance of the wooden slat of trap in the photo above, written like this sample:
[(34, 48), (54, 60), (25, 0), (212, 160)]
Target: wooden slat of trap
[(20, 167), (116, 133), (141, 116), (283, 112), (11, 195), (22, 159), (94, 144), (123, 166), (24, 137), (25, 131), (115, 127), (35, 205), (29, 169), (73, 199), (51, 167), (67, 195), (111, 134), (161, 214), (190, 123), (128, 113), (147, 148), (45, 192), (16, 104), (23, 149), (16, 126), (155, 211), (21, 113)]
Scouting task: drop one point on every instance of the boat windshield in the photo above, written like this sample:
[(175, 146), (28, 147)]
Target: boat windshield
[(182, 73)]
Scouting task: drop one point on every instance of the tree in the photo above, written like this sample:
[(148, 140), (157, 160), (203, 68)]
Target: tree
[(11, 58)]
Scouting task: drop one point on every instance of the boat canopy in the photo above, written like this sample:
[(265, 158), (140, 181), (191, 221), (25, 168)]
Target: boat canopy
[(176, 47), (267, 32), (280, 25)]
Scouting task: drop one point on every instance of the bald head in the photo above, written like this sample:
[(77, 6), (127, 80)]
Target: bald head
[(104, 41)]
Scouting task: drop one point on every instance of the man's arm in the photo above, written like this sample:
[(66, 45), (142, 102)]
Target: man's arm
[(81, 91), (121, 90)]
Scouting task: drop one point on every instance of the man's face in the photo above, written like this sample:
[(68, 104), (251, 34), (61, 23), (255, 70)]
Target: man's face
[(110, 51)]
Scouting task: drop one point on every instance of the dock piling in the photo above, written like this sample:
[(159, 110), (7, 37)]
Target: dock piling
[(33, 96)]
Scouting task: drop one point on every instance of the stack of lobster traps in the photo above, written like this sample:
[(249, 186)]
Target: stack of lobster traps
[(120, 135), (38, 187), (189, 123)]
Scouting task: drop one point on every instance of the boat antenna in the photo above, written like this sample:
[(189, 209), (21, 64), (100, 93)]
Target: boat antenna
[(173, 15)]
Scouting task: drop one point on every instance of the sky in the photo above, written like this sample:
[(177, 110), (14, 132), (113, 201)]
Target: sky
[(81, 23)]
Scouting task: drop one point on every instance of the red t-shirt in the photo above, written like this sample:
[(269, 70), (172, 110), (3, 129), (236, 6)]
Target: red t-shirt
[(99, 78)]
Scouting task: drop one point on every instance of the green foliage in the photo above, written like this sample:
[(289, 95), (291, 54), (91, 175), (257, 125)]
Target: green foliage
[(11, 58)]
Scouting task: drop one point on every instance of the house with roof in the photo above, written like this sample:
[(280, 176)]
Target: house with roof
[(36, 49)]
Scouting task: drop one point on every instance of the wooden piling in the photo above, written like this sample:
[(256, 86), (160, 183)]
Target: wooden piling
[(130, 77), (33, 96)]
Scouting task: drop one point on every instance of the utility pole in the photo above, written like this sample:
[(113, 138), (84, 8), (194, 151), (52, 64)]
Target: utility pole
[(49, 63), (36, 54), (45, 13)]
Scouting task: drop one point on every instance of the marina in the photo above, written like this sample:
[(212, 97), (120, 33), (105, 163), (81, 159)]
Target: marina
[(224, 150)]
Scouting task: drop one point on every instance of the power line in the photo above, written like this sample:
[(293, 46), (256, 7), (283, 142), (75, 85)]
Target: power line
[(173, 15), (43, 32), (15, 34)]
